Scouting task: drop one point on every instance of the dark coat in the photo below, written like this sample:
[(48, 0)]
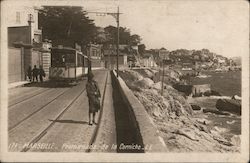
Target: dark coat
[(93, 93), (41, 72), (35, 72)]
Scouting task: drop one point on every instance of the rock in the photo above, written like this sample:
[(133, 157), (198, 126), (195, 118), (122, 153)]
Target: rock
[(144, 83), (220, 129), (195, 107), (202, 128), (215, 93), (231, 122), (230, 105), (157, 86), (236, 140), (171, 137), (149, 73), (187, 133), (202, 121), (236, 97), (135, 75), (156, 112), (222, 141), (187, 89)]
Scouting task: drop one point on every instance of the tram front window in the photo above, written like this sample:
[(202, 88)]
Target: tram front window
[(62, 60)]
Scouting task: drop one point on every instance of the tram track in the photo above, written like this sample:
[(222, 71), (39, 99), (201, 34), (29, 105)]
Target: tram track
[(36, 111), (29, 97), (45, 120), (45, 131)]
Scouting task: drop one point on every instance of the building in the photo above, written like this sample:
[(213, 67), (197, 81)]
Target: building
[(21, 15), (159, 55), (163, 53), (147, 60), (94, 52), (25, 46), (110, 57)]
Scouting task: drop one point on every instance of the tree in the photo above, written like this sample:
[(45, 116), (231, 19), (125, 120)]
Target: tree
[(135, 39), (66, 23), (101, 37), (125, 36), (141, 48)]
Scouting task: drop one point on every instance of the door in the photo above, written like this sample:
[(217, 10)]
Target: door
[(14, 65)]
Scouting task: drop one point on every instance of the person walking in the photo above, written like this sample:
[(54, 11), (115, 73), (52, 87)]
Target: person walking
[(35, 73), (29, 73), (94, 95), (41, 73)]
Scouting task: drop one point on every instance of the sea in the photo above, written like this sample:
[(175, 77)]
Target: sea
[(227, 84)]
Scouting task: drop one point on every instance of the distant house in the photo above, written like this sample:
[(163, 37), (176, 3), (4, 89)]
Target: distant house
[(135, 49), (95, 53), (163, 53), (159, 54), (196, 57), (110, 57), (148, 60)]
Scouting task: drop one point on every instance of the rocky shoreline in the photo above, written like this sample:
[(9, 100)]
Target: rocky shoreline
[(182, 128)]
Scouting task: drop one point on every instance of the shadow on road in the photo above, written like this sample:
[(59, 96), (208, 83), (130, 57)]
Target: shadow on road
[(69, 121)]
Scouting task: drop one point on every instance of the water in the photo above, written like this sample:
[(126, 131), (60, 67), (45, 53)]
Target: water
[(231, 124), (227, 84)]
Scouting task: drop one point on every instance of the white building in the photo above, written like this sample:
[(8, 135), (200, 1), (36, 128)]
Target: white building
[(20, 15)]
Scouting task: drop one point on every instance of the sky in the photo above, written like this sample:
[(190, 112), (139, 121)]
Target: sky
[(222, 26)]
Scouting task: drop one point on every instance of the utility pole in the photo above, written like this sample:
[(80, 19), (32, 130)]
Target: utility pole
[(162, 81), (116, 15), (117, 45)]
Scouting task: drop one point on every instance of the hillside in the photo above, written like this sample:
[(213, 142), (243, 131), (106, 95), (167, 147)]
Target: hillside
[(179, 126)]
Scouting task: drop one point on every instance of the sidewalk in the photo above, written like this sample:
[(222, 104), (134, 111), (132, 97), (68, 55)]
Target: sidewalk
[(18, 84), (21, 83), (107, 126)]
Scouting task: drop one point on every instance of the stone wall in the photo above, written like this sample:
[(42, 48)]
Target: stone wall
[(146, 130)]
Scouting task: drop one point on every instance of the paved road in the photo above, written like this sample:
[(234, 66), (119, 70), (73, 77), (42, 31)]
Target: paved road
[(45, 117)]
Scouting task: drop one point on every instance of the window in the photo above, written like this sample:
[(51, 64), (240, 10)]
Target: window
[(59, 59), (18, 20), (79, 60)]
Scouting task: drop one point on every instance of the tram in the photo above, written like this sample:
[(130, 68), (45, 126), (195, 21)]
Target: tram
[(67, 64)]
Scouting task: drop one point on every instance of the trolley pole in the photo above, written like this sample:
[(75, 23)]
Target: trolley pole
[(117, 59), (116, 15)]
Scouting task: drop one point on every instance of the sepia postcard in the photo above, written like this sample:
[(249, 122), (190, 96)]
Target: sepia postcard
[(124, 81)]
